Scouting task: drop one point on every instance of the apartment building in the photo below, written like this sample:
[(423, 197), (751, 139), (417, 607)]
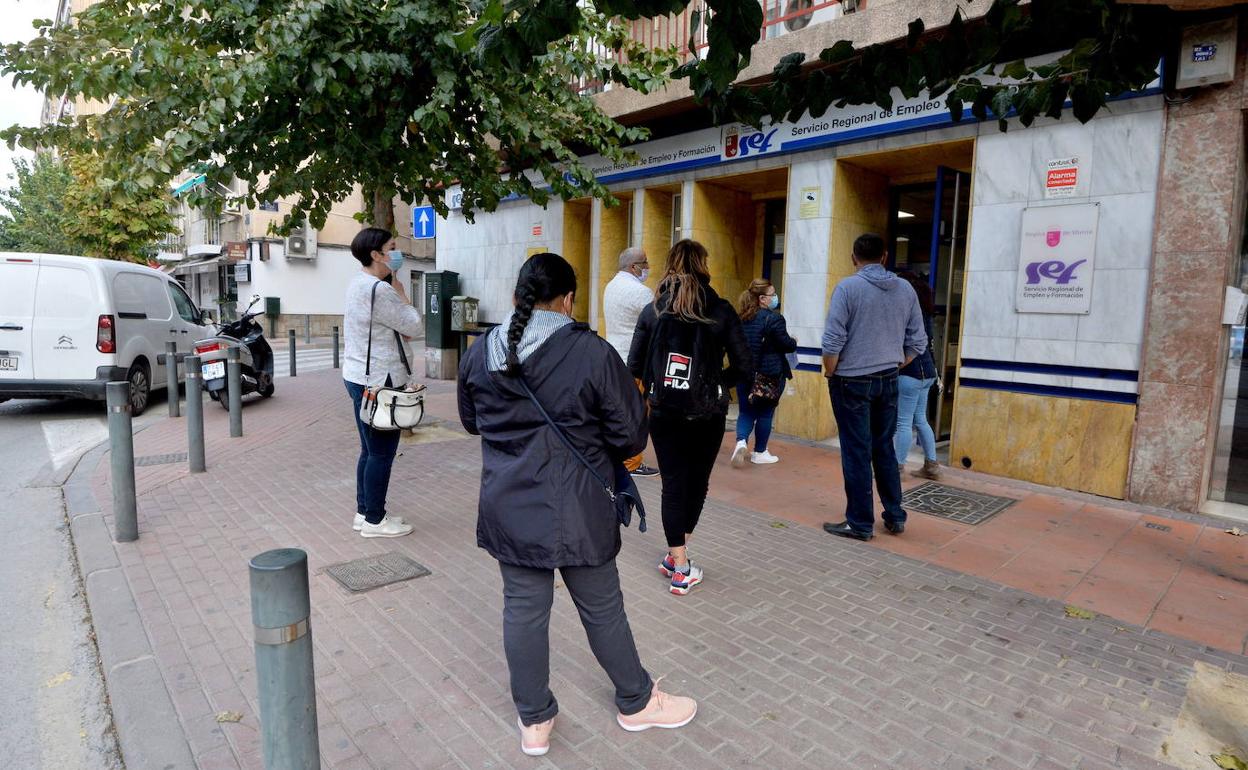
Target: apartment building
[(1121, 378)]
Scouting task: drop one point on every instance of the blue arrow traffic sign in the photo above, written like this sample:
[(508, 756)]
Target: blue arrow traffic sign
[(424, 223)]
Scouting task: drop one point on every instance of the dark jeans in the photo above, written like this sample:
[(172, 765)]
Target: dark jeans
[(686, 450), (753, 419), (866, 420), (372, 470), (527, 597)]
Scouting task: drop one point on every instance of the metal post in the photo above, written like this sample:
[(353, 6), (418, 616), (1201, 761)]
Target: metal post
[(335, 347), (285, 680), (171, 377), (291, 337), (234, 383), (307, 329), (194, 415), (121, 450)]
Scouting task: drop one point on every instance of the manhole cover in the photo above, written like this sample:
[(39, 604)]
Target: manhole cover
[(959, 505), (169, 459), (376, 571)]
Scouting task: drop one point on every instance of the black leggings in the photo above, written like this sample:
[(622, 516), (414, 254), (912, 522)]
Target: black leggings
[(686, 450)]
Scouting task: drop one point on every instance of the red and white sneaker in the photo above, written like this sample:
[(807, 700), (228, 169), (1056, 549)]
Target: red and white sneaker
[(667, 566), (682, 582)]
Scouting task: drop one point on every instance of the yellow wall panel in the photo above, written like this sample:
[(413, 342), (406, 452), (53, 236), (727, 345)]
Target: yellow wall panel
[(656, 232), (859, 205), (806, 413), (1063, 442), (612, 239), (723, 221), (576, 250)]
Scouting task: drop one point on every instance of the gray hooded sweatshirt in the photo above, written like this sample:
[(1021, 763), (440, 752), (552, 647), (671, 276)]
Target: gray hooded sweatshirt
[(874, 323)]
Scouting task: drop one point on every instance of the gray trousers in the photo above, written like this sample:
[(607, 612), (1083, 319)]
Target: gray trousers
[(527, 598)]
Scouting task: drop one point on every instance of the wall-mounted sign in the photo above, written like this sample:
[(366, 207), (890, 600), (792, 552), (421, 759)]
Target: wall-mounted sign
[(536, 230), (1056, 259), (1061, 178), (269, 206), (236, 251), (242, 272), (808, 203), (424, 223), (534, 250)]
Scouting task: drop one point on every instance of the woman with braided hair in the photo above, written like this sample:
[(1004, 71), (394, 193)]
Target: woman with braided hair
[(541, 509)]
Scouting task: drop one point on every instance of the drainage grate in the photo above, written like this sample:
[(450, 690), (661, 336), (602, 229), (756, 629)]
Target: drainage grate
[(959, 505), (376, 571), (169, 459), (1158, 527)]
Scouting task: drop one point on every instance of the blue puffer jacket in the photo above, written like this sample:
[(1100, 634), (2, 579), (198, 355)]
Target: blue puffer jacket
[(923, 367), (769, 327)]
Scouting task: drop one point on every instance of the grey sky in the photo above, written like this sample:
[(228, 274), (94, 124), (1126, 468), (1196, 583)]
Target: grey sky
[(18, 105)]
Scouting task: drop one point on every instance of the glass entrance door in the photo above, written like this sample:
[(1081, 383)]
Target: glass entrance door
[(1229, 481)]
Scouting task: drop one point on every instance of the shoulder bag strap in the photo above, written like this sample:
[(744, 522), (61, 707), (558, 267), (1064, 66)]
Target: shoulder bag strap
[(368, 357), (567, 442)]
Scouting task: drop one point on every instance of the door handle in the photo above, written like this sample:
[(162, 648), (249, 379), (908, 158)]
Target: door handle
[(10, 327)]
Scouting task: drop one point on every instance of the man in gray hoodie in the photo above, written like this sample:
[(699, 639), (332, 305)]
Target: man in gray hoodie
[(874, 328)]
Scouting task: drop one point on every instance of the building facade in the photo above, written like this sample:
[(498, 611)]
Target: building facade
[(1081, 271)]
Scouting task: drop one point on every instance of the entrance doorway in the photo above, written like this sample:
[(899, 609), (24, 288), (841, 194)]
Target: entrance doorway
[(928, 234)]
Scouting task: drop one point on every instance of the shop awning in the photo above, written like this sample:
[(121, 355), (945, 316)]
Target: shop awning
[(194, 181), (201, 266)]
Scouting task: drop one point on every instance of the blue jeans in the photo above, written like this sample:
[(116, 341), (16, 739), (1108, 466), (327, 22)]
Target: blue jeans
[(912, 415), (866, 419), (372, 470), (752, 419)]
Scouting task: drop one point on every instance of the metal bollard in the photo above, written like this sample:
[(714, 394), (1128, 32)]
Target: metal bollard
[(194, 415), (121, 451), (292, 352), (307, 329), (285, 680), (171, 377), (335, 347), (234, 383)]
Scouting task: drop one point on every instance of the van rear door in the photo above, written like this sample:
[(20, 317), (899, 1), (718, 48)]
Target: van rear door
[(68, 305), (18, 276)]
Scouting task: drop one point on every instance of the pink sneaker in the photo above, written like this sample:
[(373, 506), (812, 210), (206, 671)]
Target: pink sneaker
[(535, 739), (663, 710)]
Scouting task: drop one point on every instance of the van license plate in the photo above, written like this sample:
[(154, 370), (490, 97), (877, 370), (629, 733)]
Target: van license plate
[(8, 364), (214, 370)]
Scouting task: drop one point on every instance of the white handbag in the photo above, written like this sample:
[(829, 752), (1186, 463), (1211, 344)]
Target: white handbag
[(384, 407)]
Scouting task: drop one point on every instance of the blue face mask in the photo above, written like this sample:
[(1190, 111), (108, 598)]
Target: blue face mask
[(396, 260), (773, 302)]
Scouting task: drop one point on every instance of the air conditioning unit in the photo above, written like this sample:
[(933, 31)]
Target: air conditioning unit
[(301, 244), (784, 16)]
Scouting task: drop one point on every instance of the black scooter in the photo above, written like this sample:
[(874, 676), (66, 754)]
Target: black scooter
[(254, 353)]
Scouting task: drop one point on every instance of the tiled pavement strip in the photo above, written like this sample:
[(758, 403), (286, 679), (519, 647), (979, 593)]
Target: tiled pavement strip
[(804, 650)]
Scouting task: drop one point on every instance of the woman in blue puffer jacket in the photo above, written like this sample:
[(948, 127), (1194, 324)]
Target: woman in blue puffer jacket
[(769, 341)]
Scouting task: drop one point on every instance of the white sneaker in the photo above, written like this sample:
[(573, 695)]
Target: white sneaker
[(358, 523), (391, 526), (739, 454), (764, 458)]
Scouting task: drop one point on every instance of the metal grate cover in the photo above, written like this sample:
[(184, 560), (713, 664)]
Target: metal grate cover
[(955, 504), (169, 459), (376, 571)]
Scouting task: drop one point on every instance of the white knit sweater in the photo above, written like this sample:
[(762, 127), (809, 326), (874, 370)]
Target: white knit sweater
[(626, 296), (389, 314)]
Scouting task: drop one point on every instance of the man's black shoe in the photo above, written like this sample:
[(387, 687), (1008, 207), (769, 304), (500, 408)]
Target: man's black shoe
[(844, 530), (895, 527), (645, 471)]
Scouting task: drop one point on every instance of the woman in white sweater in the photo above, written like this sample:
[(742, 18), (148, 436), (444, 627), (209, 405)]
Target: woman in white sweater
[(377, 317)]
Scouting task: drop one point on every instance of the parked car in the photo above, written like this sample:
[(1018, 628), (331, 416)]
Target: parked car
[(70, 325)]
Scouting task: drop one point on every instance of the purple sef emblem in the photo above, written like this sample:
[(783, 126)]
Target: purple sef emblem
[(1054, 269)]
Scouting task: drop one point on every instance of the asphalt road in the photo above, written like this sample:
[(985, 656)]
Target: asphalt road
[(53, 708)]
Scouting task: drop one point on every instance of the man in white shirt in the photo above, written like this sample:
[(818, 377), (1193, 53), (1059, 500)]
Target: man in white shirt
[(622, 302)]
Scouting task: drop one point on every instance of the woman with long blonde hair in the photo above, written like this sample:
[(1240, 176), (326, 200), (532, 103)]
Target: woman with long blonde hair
[(678, 353)]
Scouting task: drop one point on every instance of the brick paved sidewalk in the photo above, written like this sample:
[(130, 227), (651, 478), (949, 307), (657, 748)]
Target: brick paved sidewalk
[(806, 651)]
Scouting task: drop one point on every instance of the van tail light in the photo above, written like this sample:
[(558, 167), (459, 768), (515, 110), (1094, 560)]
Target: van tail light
[(207, 347), (105, 341)]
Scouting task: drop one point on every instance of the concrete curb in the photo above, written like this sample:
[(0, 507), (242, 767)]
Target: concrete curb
[(143, 714)]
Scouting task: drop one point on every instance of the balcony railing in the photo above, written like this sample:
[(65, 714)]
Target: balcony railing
[(780, 17)]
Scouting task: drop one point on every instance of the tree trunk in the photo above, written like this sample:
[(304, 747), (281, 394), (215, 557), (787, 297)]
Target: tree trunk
[(383, 208)]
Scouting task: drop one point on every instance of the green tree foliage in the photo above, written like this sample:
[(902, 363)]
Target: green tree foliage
[(312, 100), (32, 212)]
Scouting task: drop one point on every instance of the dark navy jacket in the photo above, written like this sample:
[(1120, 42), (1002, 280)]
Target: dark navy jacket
[(923, 367), (539, 506), (768, 338)]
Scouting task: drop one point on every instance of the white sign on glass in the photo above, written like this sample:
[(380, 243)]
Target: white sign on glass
[(1056, 259)]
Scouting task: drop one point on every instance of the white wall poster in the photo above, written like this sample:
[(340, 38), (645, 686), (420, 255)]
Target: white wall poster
[(1056, 259)]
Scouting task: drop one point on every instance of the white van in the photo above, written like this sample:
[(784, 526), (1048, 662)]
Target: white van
[(70, 325)]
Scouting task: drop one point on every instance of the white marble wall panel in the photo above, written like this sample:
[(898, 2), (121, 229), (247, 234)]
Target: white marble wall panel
[(1124, 236), (990, 348), (1127, 153), (995, 234), (806, 336), (1046, 326), (1003, 167), (1108, 355), (989, 305), (1119, 300), (1057, 352), (805, 301), (806, 247)]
